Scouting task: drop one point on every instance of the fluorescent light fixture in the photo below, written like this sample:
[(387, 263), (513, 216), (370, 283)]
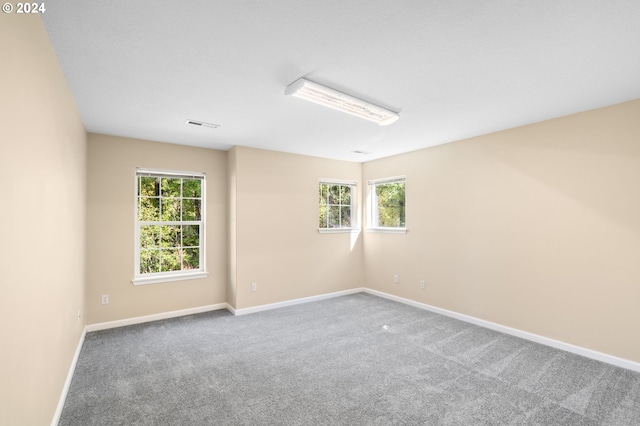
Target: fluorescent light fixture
[(314, 92)]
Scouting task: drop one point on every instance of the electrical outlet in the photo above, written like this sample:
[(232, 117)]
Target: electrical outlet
[(254, 286), (105, 299), (422, 284), (396, 279)]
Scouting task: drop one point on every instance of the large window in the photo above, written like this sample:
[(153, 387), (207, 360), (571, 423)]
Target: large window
[(387, 204), (336, 201), (169, 231)]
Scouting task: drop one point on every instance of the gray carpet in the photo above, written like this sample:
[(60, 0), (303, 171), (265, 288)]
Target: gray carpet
[(353, 360)]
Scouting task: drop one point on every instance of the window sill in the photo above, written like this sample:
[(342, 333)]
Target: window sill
[(156, 279), (388, 230), (338, 230)]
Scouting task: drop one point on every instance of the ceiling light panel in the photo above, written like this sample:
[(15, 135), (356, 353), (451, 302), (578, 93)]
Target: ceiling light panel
[(322, 95)]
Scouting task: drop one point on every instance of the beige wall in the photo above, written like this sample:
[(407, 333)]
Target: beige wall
[(110, 225), (42, 212), (277, 242), (536, 228), (262, 213)]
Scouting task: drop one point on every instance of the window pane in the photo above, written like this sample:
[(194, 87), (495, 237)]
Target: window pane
[(190, 236), (171, 187), (170, 236), (345, 195), (323, 193), (334, 216), (322, 217), (149, 261), (391, 209), (191, 188), (148, 209), (191, 258), (170, 209), (149, 236), (334, 194), (191, 210), (149, 186), (388, 217), (170, 260), (345, 216)]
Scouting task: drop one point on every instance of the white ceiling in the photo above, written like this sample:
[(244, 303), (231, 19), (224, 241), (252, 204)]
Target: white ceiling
[(453, 69)]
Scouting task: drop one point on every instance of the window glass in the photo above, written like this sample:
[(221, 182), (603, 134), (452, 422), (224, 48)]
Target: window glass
[(387, 208), (336, 208), (169, 226)]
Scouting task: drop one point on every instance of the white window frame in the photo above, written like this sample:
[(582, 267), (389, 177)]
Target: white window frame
[(372, 206), (169, 276), (354, 207)]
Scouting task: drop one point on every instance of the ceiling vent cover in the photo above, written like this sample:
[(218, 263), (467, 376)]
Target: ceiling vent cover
[(202, 124)]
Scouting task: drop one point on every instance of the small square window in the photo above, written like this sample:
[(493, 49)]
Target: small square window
[(336, 211), (387, 204)]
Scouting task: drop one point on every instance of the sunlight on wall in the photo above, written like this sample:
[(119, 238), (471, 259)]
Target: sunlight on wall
[(354, 237)]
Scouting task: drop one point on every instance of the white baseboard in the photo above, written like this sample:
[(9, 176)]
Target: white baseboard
[(277, 305), (231, 309), (67, 383), (154, 317), (578, 350)]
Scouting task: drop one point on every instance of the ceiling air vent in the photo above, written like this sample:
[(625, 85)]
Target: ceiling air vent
[(202, 124)]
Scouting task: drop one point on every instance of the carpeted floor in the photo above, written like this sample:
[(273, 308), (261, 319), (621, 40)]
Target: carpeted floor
[(352, 360)]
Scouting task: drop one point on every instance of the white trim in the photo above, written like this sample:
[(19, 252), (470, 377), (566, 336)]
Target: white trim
[(388, 230), (231, 309), (338, 230), (344, 182), (178, 276), (393, 179), (67, 383), (578, 350), (293, 302), (154, 317), (140, 171)]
